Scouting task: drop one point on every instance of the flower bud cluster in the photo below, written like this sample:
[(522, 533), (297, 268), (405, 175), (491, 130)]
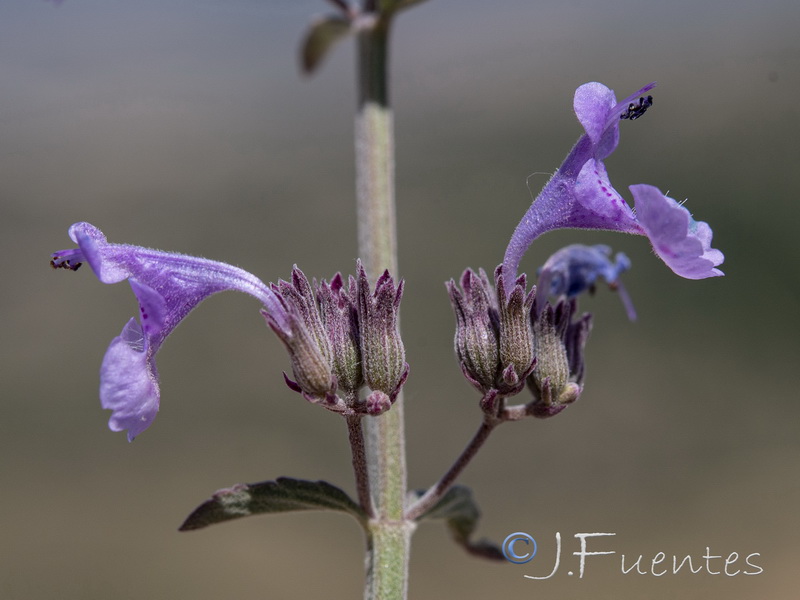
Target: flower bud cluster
[(341, 337), (557, 378), (503, 341), (494, 335)]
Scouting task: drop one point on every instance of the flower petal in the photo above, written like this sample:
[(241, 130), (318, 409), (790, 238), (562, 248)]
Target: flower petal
[(129, 382), (593, 102), (152, 311), (594, 192), (680, 241), (92, 242), (182, 280)]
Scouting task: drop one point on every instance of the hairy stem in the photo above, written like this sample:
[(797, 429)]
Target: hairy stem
[(389, 535), (356, 436)]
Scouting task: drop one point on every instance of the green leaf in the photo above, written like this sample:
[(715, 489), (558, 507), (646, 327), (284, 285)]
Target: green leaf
[(282, 495), (321, 36), (461, 512)]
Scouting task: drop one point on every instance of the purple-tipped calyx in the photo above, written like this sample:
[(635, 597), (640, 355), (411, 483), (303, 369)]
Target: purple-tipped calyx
[(494, 339), (517, 355), (580, 195), (305, 339), (338, 306), (477, 329), (557, 378), (167, 286), (322, 339), (383, 357)]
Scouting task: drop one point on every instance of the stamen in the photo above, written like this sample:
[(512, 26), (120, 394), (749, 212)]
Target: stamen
[(635, 111), (67, 259), (626, 300), (624, 107)]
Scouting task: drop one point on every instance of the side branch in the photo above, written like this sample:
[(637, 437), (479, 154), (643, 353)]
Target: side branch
[(435, 493)]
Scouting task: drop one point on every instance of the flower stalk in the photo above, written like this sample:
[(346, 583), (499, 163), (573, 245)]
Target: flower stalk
[(437, 491), (356, 438)]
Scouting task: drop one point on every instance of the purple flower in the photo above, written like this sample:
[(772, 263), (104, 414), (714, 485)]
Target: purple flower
[(680, 241), (580, 195), (168, 286), (575, 269)]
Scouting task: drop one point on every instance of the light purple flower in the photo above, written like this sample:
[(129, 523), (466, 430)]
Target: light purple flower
[(575, 269), (168, 286), (680, 241), (580, 195)]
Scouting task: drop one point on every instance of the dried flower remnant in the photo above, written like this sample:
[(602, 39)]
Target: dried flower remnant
[(574, 269)]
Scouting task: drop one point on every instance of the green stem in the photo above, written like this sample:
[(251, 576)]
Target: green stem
[(388, 545), (374, 136), (389, 534)]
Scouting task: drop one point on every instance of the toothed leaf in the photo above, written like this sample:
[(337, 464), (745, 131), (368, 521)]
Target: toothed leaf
[(282, 495)]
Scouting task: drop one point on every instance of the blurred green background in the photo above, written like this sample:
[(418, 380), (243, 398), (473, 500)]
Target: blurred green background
[(185, 125)]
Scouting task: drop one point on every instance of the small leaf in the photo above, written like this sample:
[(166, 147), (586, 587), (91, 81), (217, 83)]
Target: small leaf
[(282, 495), (321, 36), (458, 507)]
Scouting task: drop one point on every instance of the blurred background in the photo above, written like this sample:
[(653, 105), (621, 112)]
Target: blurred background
[(186, 125)]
